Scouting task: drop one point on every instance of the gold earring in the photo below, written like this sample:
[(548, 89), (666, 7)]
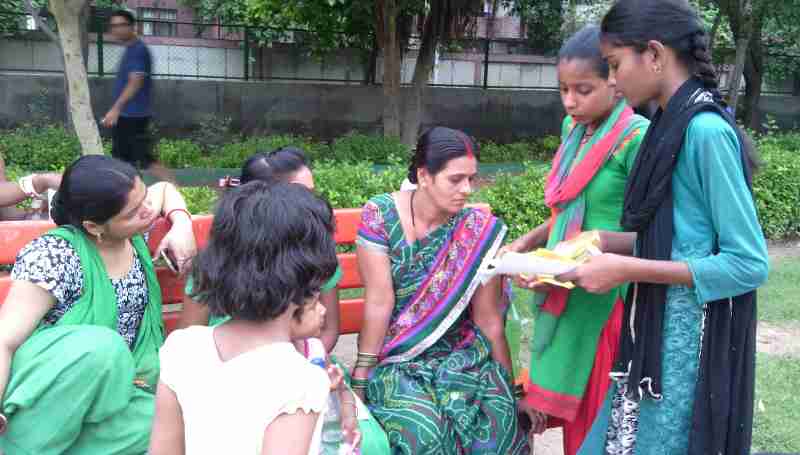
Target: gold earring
[(99, 237), (657, 69)]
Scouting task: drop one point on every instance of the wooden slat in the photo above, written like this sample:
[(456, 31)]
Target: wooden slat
[(351, 315), (15, 235), (171, 285), (347, 221), (351, 279)]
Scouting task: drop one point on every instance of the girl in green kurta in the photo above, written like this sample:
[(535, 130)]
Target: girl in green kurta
[(575, 335), (693, 252), (81, 327)]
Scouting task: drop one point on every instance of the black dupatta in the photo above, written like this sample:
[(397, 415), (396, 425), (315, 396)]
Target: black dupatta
[(723, 406)]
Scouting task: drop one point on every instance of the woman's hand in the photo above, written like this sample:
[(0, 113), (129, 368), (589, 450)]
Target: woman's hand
[(360, 373), (180, 242), (599, 274), (538, 419), (516, 246), (44, 182), (523, 281)]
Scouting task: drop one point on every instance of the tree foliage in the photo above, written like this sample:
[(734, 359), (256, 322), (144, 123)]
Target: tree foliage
[(549, 22), (321, 25)]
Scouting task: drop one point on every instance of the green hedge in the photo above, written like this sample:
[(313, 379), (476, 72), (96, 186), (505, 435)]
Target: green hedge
[(44, 148), (52, 147), (516, 198), (344, 185), (777, 185)]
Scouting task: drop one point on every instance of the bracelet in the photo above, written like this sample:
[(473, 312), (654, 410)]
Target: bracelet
[(3, 423), (359, 383), (362, 363), (27, 187), (169, 214), (366, 360)]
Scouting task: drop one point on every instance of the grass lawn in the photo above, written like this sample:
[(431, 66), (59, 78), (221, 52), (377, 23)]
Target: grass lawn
[(776, 427), (779, 300)]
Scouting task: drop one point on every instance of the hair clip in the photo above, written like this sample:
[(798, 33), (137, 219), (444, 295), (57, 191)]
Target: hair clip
[(229, 182)]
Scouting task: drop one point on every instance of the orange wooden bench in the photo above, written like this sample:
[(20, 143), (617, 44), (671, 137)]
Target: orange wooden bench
[(14, 235)]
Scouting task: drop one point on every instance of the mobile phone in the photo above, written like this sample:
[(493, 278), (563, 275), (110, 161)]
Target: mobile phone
[(170, 262)]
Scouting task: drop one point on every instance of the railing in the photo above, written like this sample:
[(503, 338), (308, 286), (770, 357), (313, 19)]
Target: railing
[(208, 50)]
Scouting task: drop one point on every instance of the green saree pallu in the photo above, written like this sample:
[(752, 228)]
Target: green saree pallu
[(437, 388), (71, 388)]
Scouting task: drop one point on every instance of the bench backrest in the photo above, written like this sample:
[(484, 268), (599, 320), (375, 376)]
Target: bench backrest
[(14, 235)]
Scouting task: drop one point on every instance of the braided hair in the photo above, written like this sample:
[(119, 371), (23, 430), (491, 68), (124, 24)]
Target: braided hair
[(674, 23)]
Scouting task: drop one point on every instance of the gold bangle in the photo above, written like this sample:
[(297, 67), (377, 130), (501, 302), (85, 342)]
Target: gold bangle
[(364, 364)]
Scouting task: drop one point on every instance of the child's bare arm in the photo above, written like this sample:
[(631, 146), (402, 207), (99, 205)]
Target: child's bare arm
[(290, 434), (167, 437)]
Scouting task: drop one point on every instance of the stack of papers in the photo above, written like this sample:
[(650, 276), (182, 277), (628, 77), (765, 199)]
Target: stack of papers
[(545, 264)]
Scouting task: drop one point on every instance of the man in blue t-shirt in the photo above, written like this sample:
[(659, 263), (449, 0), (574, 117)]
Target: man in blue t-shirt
[(130, 115)]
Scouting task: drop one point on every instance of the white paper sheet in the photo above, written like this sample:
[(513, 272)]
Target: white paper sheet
[(528, 264)]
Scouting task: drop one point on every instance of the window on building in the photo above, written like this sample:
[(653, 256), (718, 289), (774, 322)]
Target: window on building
[(158, 22)]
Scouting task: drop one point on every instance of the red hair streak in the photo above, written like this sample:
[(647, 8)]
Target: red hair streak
[(467, 145)]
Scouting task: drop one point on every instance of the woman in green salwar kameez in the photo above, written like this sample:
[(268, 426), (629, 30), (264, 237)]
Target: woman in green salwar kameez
[(433, 360), (81, 326)]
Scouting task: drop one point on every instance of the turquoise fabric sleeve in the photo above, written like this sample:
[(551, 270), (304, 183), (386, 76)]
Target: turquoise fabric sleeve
[(333, 281), (742, 263)]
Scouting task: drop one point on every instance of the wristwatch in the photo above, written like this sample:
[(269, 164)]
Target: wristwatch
[(3, 423), (26, 184)]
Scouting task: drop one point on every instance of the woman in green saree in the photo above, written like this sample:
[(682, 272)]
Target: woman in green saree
[(81, 326), (433, 360)]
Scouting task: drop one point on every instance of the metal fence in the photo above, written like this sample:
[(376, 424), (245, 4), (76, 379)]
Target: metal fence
[(201, 50), (219, 51)]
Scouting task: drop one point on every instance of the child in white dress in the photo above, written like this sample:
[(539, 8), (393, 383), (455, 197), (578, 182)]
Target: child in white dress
[(242, 387)]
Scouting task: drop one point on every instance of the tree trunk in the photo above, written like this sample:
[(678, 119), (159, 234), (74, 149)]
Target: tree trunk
[(83, 23), (736, 77), (431, 35), (742, 33), (389, 38), (67, 14), (371, 63), (754, 78)]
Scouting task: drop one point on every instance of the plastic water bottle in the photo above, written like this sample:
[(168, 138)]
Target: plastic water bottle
[(332, 440)]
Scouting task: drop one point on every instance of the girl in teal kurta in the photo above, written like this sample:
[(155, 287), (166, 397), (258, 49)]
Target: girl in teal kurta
[(685, 373), (81, 327)]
